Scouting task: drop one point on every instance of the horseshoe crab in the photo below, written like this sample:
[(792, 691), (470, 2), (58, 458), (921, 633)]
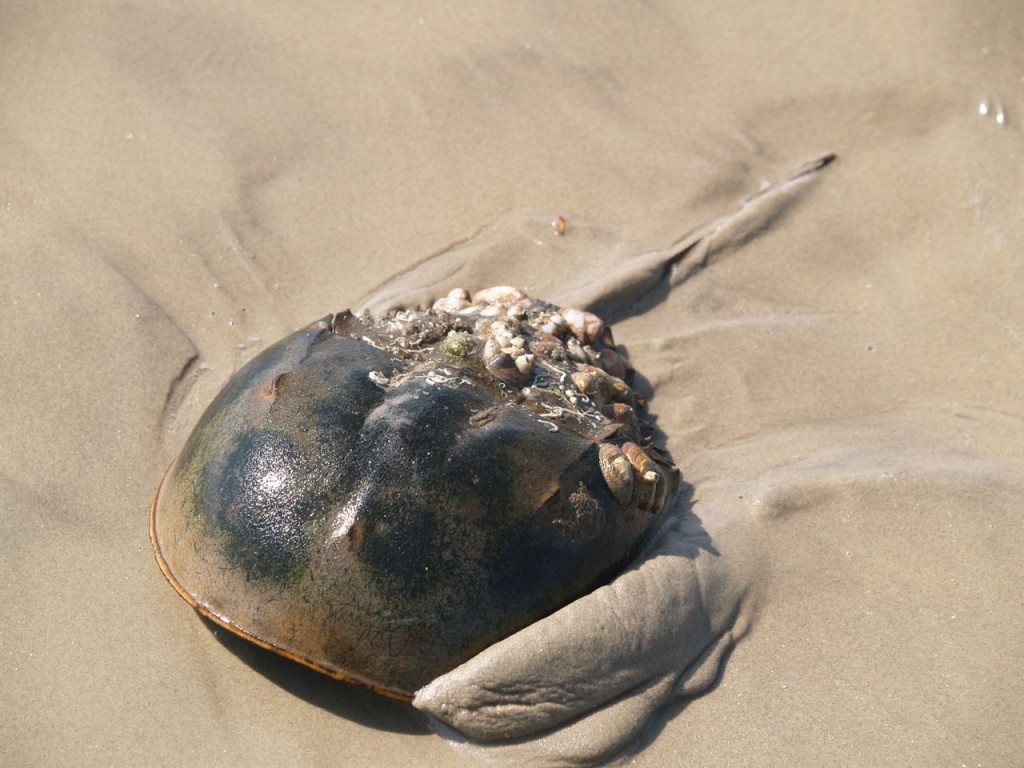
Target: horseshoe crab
[(382, 499)]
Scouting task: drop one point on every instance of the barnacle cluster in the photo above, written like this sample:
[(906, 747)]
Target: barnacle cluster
[(561, 363)]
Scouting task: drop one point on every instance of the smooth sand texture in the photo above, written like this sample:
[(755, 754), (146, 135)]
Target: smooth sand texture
[(839, 382)]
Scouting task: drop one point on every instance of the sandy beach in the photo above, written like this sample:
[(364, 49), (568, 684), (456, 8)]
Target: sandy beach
[(835, 354)]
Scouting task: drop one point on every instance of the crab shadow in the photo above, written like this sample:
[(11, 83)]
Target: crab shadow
[(335, 696)]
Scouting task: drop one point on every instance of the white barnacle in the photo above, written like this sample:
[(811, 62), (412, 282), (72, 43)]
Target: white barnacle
[(555, 325), (473, 310), (451, 304), (491, 349), (575, 350), (502, 335), (524, 363), (498, 294)]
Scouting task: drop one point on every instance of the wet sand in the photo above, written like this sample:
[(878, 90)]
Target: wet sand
[(837, 374)]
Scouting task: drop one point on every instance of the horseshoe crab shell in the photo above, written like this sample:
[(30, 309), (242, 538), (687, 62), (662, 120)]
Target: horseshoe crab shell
[(381, 500)]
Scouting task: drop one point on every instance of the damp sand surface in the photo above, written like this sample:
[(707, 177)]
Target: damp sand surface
[(837, 373)]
